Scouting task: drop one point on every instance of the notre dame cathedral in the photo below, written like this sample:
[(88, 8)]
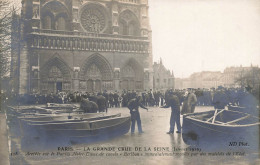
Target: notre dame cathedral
[(81, 45)]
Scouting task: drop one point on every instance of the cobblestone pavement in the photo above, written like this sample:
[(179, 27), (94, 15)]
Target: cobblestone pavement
[(155, 124)]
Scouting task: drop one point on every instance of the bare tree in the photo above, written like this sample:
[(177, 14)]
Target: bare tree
[(5, 36), (249, 77), (7, 13)]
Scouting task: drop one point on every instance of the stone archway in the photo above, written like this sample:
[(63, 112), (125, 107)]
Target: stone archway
[(55, 76), (131, 76), (96, 73)]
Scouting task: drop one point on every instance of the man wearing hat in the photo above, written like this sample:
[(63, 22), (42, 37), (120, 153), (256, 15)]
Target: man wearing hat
[(133, 106), (174, 103)]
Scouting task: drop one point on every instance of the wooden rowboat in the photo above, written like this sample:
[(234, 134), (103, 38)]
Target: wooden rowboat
[(221, 128), (72, 131)]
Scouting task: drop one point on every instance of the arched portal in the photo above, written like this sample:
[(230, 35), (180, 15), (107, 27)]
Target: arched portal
[(96, 74), (131, 76), (55, 76)]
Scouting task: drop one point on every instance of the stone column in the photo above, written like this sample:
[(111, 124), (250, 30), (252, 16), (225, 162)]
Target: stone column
[(24, 52), (115, 28), (75, 81), (75, 15), (24, 69), (117, 78), (145, 25), (147, 78), (35, 79)]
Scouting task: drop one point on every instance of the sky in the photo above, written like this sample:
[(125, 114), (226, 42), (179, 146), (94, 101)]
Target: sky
[(205, 35)]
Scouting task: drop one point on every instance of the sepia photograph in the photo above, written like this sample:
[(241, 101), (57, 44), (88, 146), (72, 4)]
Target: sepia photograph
[(142, 82)]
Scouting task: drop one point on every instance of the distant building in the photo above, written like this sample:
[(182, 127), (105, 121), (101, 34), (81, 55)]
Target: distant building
[(205, 79), (162, 78), (241, 76), (231, 77)]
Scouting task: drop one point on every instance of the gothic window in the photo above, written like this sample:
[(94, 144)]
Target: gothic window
[(93, 19), (122, 28), (132, 29), (55, 72), (128, 24), (47, 22), (60, 24), (93, 72)]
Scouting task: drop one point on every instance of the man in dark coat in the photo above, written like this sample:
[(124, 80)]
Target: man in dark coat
[(116, 99), (220, 99), (102, 103), (250, 102), (174, 103), (133, 106)]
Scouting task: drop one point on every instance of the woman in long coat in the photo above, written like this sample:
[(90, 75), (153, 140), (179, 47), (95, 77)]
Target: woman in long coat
[(189, 103)]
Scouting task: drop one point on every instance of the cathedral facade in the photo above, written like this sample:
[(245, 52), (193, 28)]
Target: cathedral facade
[(82, 45)]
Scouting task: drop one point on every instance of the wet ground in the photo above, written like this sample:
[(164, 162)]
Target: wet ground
[(154, 146)]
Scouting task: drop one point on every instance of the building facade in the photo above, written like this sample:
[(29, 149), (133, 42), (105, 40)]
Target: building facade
[(163, 79), (241, 76), (232, 77), (82, 45), (205, 79)]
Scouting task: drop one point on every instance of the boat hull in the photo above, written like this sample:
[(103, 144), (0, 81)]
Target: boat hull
[(249, 110), (211, 135), (42, 136)]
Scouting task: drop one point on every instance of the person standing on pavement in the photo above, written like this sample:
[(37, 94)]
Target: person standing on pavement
[(102, 103), (189, 102), (174, 103), (220, 99), (133, 106)]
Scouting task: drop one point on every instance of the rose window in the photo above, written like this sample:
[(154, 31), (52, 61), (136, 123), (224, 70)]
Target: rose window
[(93, 20)]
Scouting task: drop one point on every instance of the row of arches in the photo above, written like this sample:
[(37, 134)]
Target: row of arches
[(93, 18), (96, 74)]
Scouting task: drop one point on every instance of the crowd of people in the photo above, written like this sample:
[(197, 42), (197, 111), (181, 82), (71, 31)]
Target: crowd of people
[(180, 101), (150, 98)]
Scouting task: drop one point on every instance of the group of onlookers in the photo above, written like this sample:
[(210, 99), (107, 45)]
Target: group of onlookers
[(204, 97)]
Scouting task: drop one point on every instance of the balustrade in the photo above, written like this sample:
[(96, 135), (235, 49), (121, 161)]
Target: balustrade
[(85, 34), (129, 1)]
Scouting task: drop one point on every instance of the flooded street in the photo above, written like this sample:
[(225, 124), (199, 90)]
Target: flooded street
[(154, 146)]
